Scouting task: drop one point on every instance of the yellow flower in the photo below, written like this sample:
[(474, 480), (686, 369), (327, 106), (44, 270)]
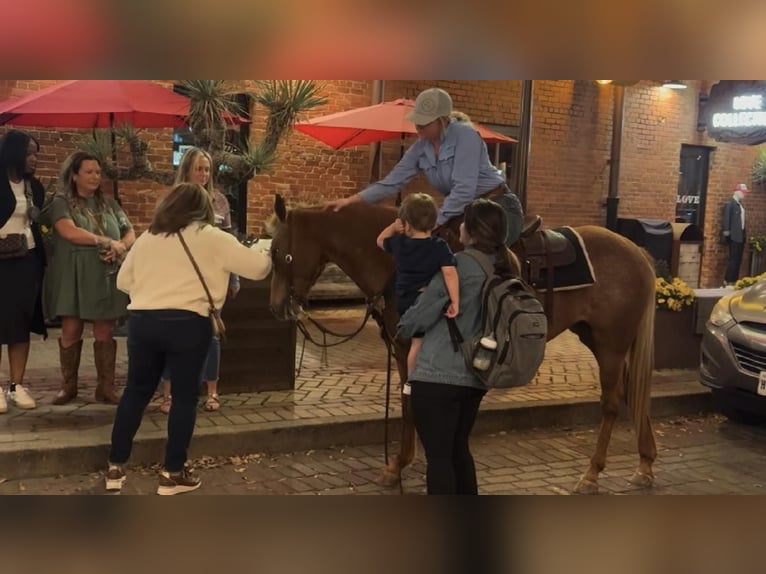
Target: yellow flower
[(673, 295)]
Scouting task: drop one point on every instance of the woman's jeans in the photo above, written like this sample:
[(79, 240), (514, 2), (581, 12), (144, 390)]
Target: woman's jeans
[(182, 339), (515, 213), (444, 418), (211, 370)]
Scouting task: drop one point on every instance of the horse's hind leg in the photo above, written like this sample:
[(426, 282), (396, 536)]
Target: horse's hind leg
[(610, 367), (647, 449)]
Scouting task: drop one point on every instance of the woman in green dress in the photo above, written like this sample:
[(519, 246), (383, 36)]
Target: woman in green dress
[(91, 236)]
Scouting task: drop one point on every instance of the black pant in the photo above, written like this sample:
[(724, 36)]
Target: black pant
[(182, 339), (736, 249), (444, 417)]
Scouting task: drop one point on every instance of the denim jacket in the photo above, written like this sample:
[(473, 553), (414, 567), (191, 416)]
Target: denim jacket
[(437, 361)]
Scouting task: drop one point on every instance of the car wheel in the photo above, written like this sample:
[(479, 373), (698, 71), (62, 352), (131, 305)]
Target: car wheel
[(725, 405)]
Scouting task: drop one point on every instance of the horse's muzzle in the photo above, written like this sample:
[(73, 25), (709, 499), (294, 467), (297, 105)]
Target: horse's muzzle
[(289, 311)]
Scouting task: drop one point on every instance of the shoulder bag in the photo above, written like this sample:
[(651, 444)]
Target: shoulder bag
[(14, 245), (219, 329)]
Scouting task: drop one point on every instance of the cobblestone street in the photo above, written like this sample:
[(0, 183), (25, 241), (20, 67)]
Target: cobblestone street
[(704, 455)]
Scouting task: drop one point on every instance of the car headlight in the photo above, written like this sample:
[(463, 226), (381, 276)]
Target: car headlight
[(721, 314)]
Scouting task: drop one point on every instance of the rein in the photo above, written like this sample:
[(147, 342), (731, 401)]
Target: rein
[(344, 337)]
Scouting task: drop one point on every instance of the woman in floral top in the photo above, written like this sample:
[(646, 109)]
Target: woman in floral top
[(196, 167), (91, 236)]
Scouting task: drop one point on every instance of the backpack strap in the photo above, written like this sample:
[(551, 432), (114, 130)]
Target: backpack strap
[(483, 260)]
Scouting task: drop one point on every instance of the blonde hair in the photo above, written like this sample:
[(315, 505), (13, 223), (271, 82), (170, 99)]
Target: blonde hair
[(187, 164), (461, 117)]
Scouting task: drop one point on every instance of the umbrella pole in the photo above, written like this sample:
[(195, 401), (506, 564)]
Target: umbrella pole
[(401, 155), (116, 182)]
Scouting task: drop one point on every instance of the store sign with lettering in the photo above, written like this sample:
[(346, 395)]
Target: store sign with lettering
[(688, 199), (736, 111)]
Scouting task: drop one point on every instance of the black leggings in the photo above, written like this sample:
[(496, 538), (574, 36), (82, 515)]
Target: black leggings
[(444, 417)]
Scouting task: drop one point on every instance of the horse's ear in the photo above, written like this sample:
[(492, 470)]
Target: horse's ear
[(280, 209)]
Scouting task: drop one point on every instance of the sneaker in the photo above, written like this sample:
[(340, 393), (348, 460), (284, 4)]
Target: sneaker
[(172, 483), (22, 399), (3, 403), (115, 478)]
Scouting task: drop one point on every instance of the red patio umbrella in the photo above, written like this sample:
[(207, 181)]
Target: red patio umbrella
[(98, 104), (373, 124)]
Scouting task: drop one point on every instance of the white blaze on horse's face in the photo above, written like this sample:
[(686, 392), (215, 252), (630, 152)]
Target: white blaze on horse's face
[(283, 302), (298, 259)]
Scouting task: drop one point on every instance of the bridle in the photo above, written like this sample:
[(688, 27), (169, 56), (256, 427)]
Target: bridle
[(295, 302)]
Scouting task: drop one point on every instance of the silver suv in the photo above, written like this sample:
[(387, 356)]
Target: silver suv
[(734, 354)]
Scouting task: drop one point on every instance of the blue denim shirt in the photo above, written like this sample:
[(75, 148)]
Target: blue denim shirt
[(437, 360), (461, 173)]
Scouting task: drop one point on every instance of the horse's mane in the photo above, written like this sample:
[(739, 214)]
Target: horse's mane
[(355, 210)]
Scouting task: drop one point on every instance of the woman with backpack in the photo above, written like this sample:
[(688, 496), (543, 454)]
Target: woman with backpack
[(446, 393)]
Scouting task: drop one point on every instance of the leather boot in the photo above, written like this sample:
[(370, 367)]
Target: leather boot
[(70, 366), (105, 354)]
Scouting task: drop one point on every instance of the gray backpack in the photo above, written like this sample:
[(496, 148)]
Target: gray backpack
[(511, 346)]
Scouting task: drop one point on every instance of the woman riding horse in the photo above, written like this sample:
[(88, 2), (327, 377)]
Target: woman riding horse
[(454, 159)]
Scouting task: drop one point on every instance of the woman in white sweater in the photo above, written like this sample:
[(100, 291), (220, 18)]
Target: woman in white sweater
[(169, 320)]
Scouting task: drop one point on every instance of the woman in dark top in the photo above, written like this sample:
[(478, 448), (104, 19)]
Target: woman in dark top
[(21, 198)]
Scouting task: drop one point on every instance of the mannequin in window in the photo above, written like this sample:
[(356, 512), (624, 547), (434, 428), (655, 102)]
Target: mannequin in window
[(734, 233)]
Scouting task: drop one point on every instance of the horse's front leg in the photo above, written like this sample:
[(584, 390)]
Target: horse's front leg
[(392, 473)]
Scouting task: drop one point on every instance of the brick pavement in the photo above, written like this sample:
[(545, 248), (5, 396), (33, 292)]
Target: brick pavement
[(350, 384), (699, 455)]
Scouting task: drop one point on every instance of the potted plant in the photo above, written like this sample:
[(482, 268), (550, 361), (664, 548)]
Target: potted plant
[(676, 346), (757, 254), (746, 282)]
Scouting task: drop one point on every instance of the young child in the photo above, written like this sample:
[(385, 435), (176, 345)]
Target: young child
[(418, 257)]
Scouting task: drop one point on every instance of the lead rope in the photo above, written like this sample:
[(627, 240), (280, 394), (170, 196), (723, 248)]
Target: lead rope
[(300, 361)]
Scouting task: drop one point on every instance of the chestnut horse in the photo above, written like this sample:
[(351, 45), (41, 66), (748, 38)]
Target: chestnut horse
[(614, 317)]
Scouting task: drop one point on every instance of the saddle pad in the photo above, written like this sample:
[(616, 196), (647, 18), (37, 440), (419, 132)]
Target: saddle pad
[(578, 275)]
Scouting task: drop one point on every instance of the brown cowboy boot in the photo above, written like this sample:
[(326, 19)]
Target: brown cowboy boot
[(70, 365), (105, 354)]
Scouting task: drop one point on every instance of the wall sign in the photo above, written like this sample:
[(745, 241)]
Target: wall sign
[(736, 111)]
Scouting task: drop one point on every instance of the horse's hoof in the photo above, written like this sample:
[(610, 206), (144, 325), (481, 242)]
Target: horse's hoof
[(388, 479), (586, 486), (642, 480)]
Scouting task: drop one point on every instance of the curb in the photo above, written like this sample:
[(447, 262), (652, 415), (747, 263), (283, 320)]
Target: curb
[(67, 457)]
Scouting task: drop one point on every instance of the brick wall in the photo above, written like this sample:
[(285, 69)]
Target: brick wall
[(569, 164)]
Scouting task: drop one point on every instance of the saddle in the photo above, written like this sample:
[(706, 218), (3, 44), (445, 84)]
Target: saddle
[(543, 249)]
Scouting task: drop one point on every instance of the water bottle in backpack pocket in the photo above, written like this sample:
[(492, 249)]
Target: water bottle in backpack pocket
[(514, 323)]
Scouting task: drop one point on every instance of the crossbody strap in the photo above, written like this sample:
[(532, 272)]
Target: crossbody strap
[(199, 273)]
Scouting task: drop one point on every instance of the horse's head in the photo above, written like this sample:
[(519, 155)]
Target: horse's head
[(297, 257)]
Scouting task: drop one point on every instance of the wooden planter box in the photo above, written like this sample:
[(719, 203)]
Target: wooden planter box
[(757, 263), (676, 345), (259, 354)]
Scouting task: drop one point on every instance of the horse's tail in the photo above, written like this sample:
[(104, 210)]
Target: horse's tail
[(638, 377)]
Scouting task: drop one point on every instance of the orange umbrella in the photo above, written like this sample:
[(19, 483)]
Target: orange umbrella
[(371, 124)]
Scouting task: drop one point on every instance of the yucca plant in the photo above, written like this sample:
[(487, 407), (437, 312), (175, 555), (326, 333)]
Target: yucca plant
[(286, 100), (211, 102), (213, 106)]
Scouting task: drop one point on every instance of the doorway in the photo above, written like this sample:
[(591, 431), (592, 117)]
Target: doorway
[(692, 184)]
